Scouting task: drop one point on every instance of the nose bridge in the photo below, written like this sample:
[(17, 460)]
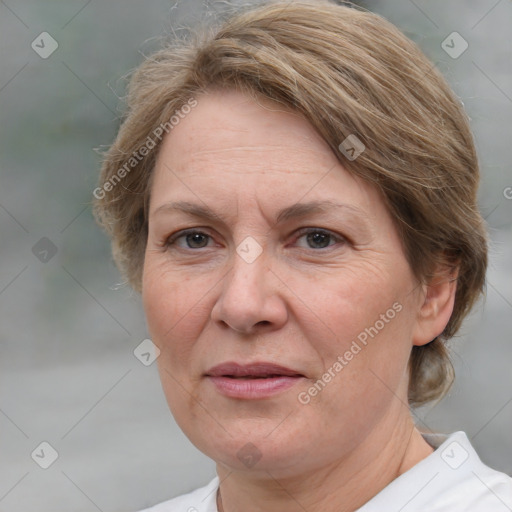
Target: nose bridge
[(247, 276), (248, 296)]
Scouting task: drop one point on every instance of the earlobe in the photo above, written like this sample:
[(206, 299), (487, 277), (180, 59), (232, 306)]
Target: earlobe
[(436, 307)]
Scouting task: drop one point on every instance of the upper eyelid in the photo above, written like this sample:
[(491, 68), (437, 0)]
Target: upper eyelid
[(298, 233), (304, 231)]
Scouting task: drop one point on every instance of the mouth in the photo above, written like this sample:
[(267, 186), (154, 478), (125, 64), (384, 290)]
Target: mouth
[(252, 381), (251, 371)]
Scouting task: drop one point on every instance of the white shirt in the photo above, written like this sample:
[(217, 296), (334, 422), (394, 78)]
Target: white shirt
[(451, 479)]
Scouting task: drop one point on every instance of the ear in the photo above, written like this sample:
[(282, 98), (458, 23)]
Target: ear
[(436, 306)]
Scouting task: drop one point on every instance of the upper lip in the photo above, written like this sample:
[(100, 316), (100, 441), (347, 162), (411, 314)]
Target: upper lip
[(257, 369)]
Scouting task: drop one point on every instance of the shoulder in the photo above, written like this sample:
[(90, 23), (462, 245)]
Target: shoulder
[(465, 482), (451, 479), (200, 500)]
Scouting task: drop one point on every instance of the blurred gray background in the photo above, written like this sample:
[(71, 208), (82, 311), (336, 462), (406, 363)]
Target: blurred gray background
[(68, 328)]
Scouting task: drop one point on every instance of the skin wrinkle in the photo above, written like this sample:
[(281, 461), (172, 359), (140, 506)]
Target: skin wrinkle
[(427, 175), (345, 222), (293, 306), (246, 158)]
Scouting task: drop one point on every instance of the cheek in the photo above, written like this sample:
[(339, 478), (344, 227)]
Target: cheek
[(363, 317), (343, 303), (174, 308), (364, 363), (172, 305)]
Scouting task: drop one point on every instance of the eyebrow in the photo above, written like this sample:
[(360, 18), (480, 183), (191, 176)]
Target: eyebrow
[(294, 211)]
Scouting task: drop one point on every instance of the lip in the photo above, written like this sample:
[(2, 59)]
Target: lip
[(252, 381)]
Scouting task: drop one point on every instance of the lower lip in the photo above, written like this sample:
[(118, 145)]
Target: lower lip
[(253, 389)]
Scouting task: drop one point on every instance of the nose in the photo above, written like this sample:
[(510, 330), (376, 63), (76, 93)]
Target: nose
[(251, 300)]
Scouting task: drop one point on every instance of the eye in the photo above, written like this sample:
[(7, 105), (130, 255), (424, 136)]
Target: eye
[(191, 239), (315, 238), (320, 238)]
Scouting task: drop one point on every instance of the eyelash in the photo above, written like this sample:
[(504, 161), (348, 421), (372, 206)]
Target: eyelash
[(170, 241)]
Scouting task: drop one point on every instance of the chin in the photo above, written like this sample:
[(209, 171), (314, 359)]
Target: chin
[(253, 444)]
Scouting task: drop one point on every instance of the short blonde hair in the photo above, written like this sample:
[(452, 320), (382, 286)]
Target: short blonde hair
[(348, 72)]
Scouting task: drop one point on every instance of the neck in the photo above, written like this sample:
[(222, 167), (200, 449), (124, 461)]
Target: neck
[(341, 486)]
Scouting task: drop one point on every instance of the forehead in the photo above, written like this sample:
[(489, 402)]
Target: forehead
[(227, 124), (231, 145)]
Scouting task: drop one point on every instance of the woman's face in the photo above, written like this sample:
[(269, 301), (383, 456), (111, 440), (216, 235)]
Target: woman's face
[(296, 284)]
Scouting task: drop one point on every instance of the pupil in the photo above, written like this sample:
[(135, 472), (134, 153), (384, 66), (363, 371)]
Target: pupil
[(195, 239), (319, 238)]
